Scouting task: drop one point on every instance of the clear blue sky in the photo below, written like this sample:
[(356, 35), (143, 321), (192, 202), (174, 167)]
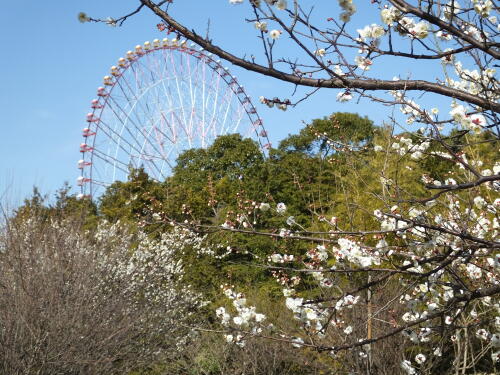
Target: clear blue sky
[(51, 65)]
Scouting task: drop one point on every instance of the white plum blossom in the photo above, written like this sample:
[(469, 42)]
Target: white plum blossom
[(260, 317), (420, 358), (297, 342), (348, 301), (264, 206), (372, 31), (274, 34), (482, 334), (451, 9), (495, 340), (349, 9), (262, 26), (496, 168), (281, 208), (474, 271), (284, 232), (410, 316), (406, 24), (281, 4), (223, 315), (443, 35), (479, 202), (276, 258), (338, 70), (459, 115), (477, 121), (320, 52), (318, 254), (354, 253), (483, 7), (294, 304), (344, 96), (408, 368), (389, 15), (417, 155), (362, 62), (420, 30)]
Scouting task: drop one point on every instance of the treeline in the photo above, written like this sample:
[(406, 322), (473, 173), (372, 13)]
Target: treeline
[(231, 207)]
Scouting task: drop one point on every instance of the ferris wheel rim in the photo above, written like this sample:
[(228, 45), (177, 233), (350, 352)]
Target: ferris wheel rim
[(117, 73)]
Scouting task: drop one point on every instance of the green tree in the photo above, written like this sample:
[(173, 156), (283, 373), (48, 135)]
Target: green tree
[(131, 200)]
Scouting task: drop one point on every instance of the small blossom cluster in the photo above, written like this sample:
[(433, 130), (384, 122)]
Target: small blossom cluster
[(472, 121), (312, 316), (279, 4), (405, 146), (283, 105), (415, 30), (348, 8), (281, 258), (481, 83), (389, 15), (371, 32), (355, 253), (246, 316)]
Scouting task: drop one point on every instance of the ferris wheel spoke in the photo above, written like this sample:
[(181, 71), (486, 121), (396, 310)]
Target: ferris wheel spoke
[(166, 94), (118, 140), (179, 94), (175, 119), (203, 98), (164, 122), (169, 126), (192, 93), (138, 128), (109, 159), (188, 135), (123, 124), (226, 112)]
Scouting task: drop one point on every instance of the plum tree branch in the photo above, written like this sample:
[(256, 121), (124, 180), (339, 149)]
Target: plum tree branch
[(355, 83), (407, 8), (465, 297)]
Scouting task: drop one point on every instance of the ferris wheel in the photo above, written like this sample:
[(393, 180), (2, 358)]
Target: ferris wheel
[(161, 99)]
